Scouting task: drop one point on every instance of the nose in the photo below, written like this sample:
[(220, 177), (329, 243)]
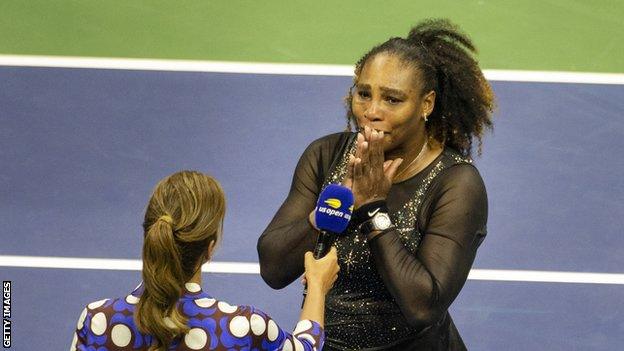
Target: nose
[(373, 112)]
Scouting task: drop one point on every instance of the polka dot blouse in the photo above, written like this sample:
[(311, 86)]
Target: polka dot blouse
[(214, 325)]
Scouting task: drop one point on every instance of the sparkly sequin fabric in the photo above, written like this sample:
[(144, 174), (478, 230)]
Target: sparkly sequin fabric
[(392, 292), (360, 312)]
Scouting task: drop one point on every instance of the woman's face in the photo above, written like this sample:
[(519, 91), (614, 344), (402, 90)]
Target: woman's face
[(387, 97)]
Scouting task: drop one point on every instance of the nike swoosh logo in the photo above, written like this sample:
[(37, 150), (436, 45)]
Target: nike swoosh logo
[(370, 214)]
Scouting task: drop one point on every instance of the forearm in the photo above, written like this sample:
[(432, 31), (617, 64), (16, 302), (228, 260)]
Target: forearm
[(407, 279), (308, 335), (281, 249), (426, 281), (314, 306)]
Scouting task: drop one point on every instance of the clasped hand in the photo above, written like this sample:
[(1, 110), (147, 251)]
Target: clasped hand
[(369, 174)]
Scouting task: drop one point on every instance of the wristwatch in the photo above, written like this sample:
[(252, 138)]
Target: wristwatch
[(379, 222)]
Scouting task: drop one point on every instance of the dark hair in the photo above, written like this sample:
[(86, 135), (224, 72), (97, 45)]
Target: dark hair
[(442, 56), (184, 214)]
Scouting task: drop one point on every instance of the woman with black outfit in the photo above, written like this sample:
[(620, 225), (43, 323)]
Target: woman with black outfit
[(420, 204)]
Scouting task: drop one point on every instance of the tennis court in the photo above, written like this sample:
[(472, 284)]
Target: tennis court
[(83, 141)]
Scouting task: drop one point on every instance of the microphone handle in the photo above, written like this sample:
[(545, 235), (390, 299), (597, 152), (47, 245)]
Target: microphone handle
[(323, 243)]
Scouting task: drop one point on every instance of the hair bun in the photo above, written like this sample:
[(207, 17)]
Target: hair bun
[(434, 30), (166, 218)]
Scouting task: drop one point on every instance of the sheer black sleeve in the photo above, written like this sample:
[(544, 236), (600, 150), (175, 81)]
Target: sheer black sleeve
[(283, 244), (453, 220)]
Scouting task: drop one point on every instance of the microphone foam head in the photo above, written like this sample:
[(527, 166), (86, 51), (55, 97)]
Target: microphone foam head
[(334, 208)]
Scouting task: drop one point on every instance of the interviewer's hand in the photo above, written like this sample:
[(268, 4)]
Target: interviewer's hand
[(322, 273)]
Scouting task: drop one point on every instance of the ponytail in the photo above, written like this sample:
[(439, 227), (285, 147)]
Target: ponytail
[(162, 279), (183, 217)]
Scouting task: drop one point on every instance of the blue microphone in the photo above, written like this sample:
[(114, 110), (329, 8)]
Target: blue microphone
[(333, 213)]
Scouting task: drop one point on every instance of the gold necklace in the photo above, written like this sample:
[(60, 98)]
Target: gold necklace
[(413, 161)]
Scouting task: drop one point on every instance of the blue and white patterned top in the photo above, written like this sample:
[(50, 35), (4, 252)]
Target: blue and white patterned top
[(108, 325)]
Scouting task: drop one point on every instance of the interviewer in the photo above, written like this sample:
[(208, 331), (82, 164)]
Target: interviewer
[(169, 310)]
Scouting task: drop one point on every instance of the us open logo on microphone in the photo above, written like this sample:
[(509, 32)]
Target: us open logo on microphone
[(334, 209)]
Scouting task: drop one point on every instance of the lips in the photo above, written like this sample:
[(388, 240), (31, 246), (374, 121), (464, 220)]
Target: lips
[(362, 130)]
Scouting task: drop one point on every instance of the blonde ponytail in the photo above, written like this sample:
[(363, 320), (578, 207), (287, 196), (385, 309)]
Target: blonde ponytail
[(184, 215)]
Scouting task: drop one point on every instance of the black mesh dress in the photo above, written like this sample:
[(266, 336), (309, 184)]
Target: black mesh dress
[(392, 292)]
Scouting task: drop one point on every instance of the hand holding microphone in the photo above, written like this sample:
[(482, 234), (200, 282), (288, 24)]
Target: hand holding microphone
[(322, 273), (331, 218)]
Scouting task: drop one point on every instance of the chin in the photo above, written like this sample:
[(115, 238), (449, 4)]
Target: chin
[(388, 144)]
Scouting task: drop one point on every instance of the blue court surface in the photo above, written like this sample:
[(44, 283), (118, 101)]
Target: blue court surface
[(81, 149)]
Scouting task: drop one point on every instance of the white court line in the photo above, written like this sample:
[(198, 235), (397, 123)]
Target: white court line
[(254, 268), (282, 68), (115, 264), (546, 276)]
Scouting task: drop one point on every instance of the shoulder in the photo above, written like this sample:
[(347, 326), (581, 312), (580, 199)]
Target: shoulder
[(245, 320), (458, 180), (462, 174), (460, 171), (328, 143), (101, 308), (218, 309), (259, 321), (207, 315), (318, 156), (97, 316)]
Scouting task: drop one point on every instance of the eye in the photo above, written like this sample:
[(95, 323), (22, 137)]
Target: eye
[(393, 100), (363, 94)]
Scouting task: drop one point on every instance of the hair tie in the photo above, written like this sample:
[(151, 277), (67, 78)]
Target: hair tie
[(166, 218)]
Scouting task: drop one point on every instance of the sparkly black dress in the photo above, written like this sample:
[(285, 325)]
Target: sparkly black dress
[(392, 292)]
